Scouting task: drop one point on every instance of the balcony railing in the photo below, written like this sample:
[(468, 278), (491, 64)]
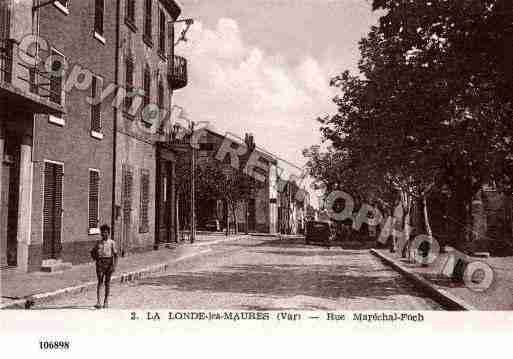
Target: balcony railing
[(21, 81), (177, 73)]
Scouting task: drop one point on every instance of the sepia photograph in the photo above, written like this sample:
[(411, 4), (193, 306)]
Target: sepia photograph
[(264, 161)]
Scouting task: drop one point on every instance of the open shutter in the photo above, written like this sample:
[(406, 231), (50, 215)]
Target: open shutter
[(96, 118), (94, 199), (162, 32), (56, 93), (98, 16)]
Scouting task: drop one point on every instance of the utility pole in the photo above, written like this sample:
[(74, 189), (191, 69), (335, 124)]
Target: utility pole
[(193, 179)]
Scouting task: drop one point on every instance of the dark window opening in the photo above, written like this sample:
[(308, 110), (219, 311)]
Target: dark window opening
[(99, 9)]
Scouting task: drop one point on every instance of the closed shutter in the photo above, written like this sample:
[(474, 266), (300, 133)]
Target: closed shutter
[(94, 199), (127, 191), (5, 21), (145, 199), (52, 209), (96, 117)]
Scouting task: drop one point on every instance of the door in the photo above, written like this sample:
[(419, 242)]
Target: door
[(52, 210), (166, 202), (127, 194), (9, 214)]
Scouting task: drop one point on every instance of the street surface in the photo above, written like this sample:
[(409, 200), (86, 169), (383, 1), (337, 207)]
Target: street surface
[(266, 274)]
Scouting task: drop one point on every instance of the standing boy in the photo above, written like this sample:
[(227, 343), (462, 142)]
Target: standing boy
[(106, 256)]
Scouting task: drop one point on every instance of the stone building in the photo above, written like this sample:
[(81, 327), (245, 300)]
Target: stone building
[(70, 162)]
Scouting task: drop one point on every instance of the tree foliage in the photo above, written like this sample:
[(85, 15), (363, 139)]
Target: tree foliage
[(431, 106)]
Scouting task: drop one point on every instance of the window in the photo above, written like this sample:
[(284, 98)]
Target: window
[(129, 82), (144, 226), (160, 95), (146, 86), (148, 23), (96, 114), (56, 76), (162, 33), (94, 201), (130, 14), (99, 9)]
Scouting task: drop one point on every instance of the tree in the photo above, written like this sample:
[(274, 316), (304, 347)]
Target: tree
[(430, 107)]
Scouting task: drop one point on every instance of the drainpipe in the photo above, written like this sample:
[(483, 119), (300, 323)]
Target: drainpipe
[(115, 123)]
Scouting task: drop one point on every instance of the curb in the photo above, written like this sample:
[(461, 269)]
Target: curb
[(124, 277), (440, 295)]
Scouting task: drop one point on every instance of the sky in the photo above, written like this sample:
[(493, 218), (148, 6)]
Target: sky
[(264, 66)]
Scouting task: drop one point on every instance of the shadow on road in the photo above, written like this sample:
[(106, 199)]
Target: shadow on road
[(289, 280), (81, 307), (312, 253)]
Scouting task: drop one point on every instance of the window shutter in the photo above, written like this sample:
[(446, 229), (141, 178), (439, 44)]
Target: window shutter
[(148, 19), (130, 10), (127, 191), (162, 33), (94, 199), (129, 81), (56, 81), (147, 85), (59, 174), (98, 16), (144, 204), (52, 208), (96, 115), (48, 205)]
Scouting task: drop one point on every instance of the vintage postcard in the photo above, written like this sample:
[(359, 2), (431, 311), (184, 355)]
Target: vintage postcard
[(254, 165)]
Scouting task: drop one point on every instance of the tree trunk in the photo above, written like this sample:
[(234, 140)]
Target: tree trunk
[(227, 216), (235, 224), (427, 224)]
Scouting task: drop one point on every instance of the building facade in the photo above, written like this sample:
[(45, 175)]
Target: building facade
[(76, 151), (59, 163), (149, 71)]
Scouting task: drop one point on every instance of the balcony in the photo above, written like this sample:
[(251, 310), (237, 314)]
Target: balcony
[(22, 85), (177, 73)]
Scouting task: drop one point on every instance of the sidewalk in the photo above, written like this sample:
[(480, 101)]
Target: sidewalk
[(498, 297), (17, 287)]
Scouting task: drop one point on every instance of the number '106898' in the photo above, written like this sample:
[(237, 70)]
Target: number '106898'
[(53, 345)]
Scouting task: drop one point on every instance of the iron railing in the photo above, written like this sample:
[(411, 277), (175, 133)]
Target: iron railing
[(24, 76)]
